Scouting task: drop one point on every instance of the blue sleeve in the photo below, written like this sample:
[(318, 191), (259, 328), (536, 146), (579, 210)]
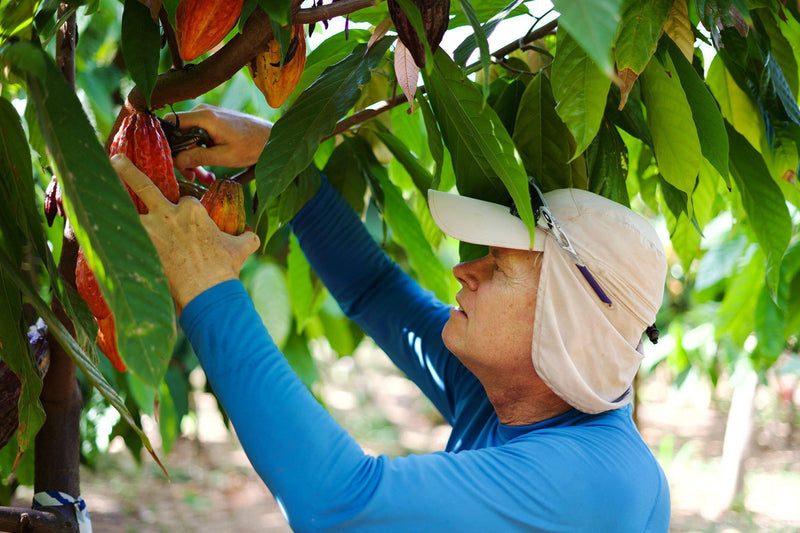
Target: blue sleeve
[(402, 318), (324, 481)]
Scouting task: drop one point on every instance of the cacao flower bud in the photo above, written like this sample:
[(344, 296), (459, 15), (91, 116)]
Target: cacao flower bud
[(276, 81), (224, 202), (142, 140), (52, 201), (435, 18), (200, 25)]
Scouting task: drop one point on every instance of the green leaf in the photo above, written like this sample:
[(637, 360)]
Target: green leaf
[(607, 159), (639, 32), (483, 44), (736, 314), (141, 46), (669, 117), (270, 294), (464, 50), (505, 98), (304, 299), (286, 205), (580, 90), (769, 323), (434, 139), (419, 175), (278, 10), (593, 24), (780, 47), (313, 116), (344, 172), (542, 139), (631, 117), (407, 231), (107, 225), (707, 117), (15, 352), (73, 350), (764, 203), (480, 146), (736, 106)]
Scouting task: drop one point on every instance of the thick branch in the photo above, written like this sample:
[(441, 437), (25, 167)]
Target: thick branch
[(19, 519)]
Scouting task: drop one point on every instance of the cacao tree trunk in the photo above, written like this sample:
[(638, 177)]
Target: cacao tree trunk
[(57, 448)]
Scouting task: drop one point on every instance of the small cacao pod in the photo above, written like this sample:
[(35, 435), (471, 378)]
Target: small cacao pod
[(276, 81), (200, 25), (107, 341), (142, 140), (89, 290), (435, 18), (224, 202)]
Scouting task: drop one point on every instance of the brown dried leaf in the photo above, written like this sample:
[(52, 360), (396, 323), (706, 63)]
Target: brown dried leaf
[(380, 31), (627, 78), (406, 71)]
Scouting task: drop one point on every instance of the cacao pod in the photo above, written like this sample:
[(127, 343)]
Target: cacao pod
[(275, 81), (200, 25), (435, 18), (142, 140), (224, 202), (89, 290)]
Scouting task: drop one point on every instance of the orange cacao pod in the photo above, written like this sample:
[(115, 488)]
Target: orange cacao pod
[(142, 140), (274, 80), (89, 290), (107, 341), (200, 25), (224, 202)]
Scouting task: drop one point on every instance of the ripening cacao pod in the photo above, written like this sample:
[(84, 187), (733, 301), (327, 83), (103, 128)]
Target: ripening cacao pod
[(224, 202), (89, 290), (275, 80), (200, 25), (142, 140), (435, 18)]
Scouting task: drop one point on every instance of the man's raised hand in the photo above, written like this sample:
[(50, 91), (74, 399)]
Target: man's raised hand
[(195, 254)]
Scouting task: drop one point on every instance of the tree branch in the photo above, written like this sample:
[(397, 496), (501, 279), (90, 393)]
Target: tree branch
[(20, 519), (172, 41)]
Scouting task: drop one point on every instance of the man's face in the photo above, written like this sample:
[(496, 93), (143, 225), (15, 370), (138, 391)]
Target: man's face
[(491, 330)]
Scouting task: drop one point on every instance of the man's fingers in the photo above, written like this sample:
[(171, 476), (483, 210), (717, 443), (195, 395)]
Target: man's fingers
[(139, 183)]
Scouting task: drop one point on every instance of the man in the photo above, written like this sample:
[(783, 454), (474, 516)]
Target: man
[(533, 370)]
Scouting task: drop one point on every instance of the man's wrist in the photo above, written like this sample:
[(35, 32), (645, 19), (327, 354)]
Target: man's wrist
[(194, 286)]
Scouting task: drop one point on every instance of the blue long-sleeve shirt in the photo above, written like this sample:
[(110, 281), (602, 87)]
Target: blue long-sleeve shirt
[(574, 472)]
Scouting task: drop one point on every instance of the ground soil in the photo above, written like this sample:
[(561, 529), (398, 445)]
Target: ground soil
[(213, 488)]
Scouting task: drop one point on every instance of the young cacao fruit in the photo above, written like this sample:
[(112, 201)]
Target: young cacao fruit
[(141, 138), (200, 25), (435, 18), (89, 290), (224, 202), (276, 81)]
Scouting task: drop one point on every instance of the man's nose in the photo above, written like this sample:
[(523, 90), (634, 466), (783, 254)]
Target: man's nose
[(471, 273)]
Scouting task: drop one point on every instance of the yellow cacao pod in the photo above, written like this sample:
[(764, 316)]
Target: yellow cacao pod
[(275, 81)]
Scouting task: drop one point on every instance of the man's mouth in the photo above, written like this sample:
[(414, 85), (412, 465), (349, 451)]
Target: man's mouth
[(458, 309)]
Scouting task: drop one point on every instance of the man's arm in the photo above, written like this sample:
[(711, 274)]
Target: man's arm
[(325, 482), (405, 320)]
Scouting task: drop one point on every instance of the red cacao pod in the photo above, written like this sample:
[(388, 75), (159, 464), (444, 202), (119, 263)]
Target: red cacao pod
[(224, 202), (275, 81), (435, 18), (142, 140), (200, 25)]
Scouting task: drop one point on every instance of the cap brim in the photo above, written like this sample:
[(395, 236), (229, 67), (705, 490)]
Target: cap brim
[(480, 222)]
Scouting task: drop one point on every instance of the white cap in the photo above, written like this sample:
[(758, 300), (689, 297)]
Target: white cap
[(587, 352)]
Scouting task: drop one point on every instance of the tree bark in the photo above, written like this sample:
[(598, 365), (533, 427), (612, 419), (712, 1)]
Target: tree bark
[(57, 447)]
